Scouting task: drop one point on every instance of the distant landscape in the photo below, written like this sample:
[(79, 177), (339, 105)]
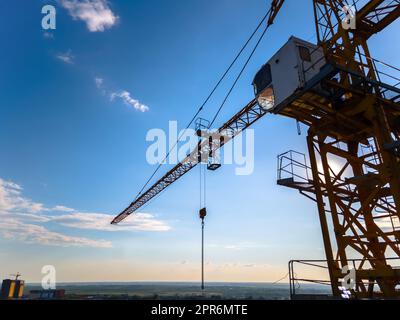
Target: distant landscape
[(178, 291)]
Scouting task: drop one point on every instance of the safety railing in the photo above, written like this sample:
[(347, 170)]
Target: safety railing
[(293, 165), (385, 73), (316, 272)]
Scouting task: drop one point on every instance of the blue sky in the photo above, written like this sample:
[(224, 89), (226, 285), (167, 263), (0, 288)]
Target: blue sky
[(72, 157)]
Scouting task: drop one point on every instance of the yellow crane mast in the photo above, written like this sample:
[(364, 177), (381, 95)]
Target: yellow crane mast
[(347, 111)]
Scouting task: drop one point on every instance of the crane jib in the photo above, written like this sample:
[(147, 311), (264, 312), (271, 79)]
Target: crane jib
[(238, 123)]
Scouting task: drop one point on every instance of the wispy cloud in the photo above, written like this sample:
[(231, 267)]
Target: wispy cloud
[(63, 209), (12, 200), (239, 246), (125, 96), (66, 57), (24, 220), (101, 222), (99, 82), (387, 224), (95, 13), (14, 229)]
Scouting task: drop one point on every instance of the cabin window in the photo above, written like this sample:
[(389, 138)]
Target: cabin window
[(263, 79), (305, 53)]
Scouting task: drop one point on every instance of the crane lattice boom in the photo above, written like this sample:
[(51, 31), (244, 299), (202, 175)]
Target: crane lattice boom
[(237, 124)]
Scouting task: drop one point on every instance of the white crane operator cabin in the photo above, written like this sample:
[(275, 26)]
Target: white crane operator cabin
[(287, 71)]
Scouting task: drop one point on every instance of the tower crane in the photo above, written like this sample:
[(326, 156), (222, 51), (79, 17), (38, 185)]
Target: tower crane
[(353, 118)]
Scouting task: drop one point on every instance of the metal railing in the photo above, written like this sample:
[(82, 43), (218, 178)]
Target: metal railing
[(293, 165), (296, 281), (385, 73)]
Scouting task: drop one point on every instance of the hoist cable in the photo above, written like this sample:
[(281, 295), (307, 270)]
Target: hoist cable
[(239, 75)]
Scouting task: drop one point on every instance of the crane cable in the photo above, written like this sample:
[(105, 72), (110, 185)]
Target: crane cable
[(203, 196), (207, 99), (241, 72), (203, 205), (281, 279)]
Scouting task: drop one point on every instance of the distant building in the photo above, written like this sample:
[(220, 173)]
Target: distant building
[(47, 294), (12, 289)]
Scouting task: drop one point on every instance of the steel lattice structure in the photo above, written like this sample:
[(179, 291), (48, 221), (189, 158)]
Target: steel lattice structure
[(353, 142), (238, 123)]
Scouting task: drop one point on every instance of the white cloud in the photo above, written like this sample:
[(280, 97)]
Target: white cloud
[(250, 265), (124, 95), (11, 199), (63, 209), (233, 247), (387, 224), (95, 13), (14, 229), (24, 220), (239, 246), (99, 82), (128, 100), (30, 217), (66, 57), (101, 222), (17, 215)]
